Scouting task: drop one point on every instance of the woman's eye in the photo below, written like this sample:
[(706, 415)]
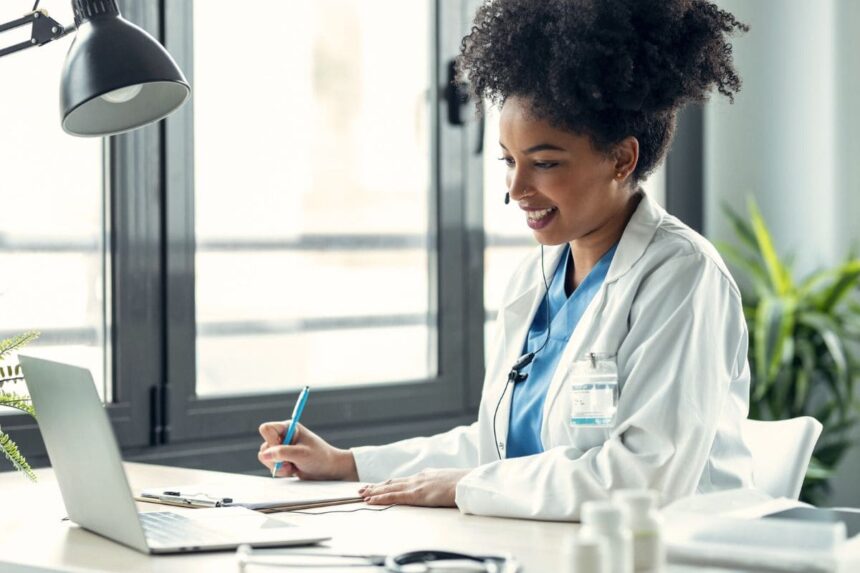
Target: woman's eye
[(545, 164), (508, 161)]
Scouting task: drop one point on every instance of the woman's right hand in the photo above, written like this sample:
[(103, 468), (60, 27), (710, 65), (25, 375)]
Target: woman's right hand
[(308, 457)]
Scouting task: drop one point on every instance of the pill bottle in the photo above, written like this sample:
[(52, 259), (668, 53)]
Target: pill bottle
[(589, 554), (605, 520), (645, 524)]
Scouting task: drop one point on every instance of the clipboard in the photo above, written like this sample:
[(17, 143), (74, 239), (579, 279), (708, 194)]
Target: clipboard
[(265, 496), (278, 509)]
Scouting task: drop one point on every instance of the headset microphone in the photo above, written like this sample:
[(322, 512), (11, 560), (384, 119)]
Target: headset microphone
[(515, 376), (507, 198)]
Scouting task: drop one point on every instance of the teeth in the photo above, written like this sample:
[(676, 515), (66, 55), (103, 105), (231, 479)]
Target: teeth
[(536, 215)]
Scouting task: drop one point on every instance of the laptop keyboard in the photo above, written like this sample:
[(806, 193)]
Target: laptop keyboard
[(171, 529)]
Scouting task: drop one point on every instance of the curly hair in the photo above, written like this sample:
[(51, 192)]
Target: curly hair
[(604, 68)]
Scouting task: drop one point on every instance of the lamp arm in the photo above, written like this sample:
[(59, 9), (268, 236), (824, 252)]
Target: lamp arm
[(45, 29)]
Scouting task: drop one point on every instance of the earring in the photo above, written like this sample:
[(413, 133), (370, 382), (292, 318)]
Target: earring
[(619, 175)]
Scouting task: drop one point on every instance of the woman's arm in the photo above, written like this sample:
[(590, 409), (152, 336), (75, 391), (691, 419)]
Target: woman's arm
[(456, 448)]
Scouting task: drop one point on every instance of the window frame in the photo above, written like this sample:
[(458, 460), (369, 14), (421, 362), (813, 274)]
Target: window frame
[(131, 206), (450, 393)]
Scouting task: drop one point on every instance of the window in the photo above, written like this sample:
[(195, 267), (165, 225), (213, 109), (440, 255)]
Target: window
[(52, 250), (312, 193), (313, 219)]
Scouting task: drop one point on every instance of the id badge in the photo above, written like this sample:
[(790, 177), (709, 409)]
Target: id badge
[(593, 384)]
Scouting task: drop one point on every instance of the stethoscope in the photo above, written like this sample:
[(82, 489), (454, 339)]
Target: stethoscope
[(408, 562)]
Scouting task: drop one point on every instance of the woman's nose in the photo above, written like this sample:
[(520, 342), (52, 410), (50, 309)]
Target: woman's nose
[(518, 188)]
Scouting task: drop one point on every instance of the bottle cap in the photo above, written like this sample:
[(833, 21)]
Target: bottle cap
[(602, 514), (637, 499)]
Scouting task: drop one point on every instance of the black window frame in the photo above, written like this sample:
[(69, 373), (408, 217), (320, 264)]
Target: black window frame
[(448, 396)]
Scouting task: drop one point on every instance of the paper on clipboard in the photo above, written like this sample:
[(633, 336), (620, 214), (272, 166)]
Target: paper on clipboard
[(285, 494)]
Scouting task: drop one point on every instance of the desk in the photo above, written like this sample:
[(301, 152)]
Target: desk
[(32, 533)]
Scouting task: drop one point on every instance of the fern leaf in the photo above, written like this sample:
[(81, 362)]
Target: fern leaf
[(16, 342), (10, 449), (17, 401)]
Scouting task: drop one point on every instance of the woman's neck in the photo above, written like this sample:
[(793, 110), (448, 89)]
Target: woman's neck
[(588, 250)]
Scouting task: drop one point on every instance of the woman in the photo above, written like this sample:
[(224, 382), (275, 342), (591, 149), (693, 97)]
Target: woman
[(589, 91)]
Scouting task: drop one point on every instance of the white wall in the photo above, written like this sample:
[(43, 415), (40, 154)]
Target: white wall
[(790, 139)]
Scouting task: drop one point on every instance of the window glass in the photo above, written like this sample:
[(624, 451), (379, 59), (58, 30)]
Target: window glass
[(52, 252), (312, 195)]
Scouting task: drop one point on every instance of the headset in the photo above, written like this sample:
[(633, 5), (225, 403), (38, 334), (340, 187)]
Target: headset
[(515, 375)]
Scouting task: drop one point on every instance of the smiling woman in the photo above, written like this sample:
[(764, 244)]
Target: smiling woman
[(619, 359)]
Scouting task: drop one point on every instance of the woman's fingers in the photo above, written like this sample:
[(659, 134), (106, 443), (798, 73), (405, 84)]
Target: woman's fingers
[(273, 432), (432, 488), (388, 486), (405, 497), (287, 469), (284, 454)]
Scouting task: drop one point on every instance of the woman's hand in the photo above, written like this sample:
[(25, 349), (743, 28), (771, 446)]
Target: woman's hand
[(430, 488), (309, 457)]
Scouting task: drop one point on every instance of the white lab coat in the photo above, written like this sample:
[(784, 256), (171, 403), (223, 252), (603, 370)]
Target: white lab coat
[(671, 314)]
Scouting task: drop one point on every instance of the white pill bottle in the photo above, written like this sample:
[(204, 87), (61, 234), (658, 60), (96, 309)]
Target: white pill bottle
[(605, 520), (645, 523)]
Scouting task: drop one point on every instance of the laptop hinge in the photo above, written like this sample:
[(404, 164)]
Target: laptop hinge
[(158, 415)]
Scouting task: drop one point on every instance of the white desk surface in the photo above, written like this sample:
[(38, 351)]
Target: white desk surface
[(32, 531)]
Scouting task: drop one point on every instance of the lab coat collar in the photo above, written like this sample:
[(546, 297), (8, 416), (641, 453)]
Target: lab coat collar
[(636, 237)]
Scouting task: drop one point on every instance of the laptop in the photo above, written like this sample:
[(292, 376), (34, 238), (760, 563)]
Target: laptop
[(86, 460)]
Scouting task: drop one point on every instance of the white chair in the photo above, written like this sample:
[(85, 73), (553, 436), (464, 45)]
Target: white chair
[(781, 452)]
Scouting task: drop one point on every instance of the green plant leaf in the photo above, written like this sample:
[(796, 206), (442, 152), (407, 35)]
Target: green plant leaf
[(847, 278), (805, 374), (839, 427), (10, 450), (778, 273), (802, 383), (774, 326), (14, 343), (830, 454), (810, 283), (828, 329), (742, 229), (818, 470), (18, 402), (751, 266)]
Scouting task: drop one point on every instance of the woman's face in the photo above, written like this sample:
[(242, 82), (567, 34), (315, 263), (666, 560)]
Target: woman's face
[(565, 188)]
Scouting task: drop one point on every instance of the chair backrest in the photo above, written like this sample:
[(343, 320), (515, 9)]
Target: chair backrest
[(781, 452)]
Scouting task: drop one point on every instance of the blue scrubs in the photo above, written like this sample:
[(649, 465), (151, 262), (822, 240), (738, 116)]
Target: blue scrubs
[(528, 396)]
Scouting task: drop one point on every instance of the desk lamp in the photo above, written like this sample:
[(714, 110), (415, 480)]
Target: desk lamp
[(116, 76)]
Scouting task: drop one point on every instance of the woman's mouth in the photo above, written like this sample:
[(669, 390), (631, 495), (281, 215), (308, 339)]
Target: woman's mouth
[(540, 218)]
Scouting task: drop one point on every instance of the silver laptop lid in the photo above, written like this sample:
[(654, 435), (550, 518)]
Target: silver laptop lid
[(83, 450)]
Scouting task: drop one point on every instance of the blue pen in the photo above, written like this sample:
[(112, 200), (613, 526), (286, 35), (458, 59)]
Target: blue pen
[(291, 429)]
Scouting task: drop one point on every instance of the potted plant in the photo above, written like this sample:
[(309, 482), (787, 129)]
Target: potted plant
[(804, 335), (10, 379)]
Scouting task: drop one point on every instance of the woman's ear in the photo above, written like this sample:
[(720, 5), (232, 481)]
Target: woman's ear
[(626, 155)]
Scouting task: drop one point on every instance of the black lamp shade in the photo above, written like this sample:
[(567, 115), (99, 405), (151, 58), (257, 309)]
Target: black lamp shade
[(108, 54)]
